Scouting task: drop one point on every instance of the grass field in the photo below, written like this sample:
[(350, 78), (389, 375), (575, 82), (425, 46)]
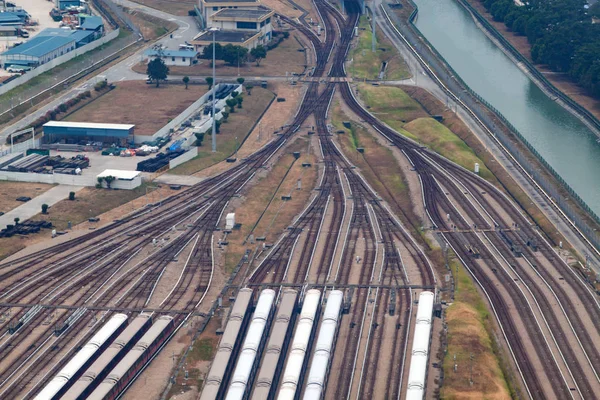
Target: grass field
[(366, 65), (239, 124), (284, 58), (9, 191), (89, 202), (469, 333), (135, 102), (173, 7), (397, 109)]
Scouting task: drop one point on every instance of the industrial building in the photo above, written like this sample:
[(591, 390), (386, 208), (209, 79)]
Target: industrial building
[(183, 58), (83, 132), (38, 51), (53, 42), (16, 18), (244, 23)]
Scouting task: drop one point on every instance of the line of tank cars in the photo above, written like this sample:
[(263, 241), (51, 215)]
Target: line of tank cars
[(107, 364), (249, 378)]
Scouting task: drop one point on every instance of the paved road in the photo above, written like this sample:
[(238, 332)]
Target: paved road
[(34, 206), (120, 71), (421, 79)]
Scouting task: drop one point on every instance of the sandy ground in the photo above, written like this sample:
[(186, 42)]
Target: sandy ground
[(135, 102), (9, 191)]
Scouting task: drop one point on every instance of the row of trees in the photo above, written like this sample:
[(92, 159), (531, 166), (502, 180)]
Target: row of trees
[(235, 100), (235, 55), (561, 34)]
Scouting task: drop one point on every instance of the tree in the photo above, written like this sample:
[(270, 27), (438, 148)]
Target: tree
[(231, 103), (240, 80), (258, 53), (71, 196), (218, 127), (186, 81), (199, 138), (109, 179), (239, 100), (157, 70), (44, 208), (209, 80), (17, 219), (207, 52), (234, 55), (225, 115), (249, 88)]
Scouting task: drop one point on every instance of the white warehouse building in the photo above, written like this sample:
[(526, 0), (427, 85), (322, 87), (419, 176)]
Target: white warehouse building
[(183, 58)]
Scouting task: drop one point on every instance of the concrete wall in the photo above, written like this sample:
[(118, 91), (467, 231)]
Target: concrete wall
[(62, 179), (57, 61), (22, 147), (187, 156)]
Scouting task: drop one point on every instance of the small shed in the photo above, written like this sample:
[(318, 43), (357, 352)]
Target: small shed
[(123, 179)]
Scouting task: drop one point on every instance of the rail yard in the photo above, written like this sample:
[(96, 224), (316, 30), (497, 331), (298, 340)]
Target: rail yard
[(346, 303)]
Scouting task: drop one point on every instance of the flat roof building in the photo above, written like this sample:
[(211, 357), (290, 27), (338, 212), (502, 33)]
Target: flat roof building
[(76, 132), (209, 7), (224, 37)]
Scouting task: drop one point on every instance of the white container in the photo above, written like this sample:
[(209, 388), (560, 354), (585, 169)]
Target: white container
[(476, 169), (230, 221)]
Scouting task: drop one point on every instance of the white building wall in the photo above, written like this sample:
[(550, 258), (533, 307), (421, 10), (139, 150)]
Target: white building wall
[(63, 179)]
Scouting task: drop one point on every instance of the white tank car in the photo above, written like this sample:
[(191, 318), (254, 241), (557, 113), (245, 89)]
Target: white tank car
[(325, 341), (219, 367), (254, 338), (273, 361), (85, 355), (295, 362), (417, 374)]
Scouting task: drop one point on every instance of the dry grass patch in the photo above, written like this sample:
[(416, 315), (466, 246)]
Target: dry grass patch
[(135, 102), (239, 125), (470, 333), (262, 208), (151, 27), (9, 191), (174, 7)]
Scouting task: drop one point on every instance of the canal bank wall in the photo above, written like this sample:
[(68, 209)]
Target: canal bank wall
[(534, 74), (546, 179)]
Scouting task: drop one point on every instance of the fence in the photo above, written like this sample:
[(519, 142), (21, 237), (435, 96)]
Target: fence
[(21, 147), (443, 69), (187, 156), (64, 179), (57, 61)]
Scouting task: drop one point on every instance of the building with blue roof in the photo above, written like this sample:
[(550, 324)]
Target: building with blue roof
[(12, 19), (91, 23), (183, 58), (38, 50)]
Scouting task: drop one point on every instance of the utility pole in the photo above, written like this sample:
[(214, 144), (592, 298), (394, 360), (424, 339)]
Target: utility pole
[(373, 37), (214, 92)]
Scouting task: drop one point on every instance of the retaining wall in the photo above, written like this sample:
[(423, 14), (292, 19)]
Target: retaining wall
[(187, 156)]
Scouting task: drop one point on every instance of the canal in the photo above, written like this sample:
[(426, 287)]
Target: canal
[(567, 144)]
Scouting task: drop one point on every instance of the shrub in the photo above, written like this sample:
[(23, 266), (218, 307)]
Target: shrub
[(44, 208), (71, 196), (62, 107)]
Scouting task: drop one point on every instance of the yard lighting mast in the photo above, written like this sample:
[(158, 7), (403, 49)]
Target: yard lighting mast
[(214, 91)]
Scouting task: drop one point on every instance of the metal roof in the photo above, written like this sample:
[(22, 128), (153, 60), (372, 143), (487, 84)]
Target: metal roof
[(40, 45), (173, 53), (91, 23), (10, 16), (119, 174), (226, 36), (237, 13), (87, 125)]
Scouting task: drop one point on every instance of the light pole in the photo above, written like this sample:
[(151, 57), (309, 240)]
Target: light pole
[(214, 91)]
